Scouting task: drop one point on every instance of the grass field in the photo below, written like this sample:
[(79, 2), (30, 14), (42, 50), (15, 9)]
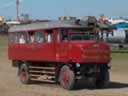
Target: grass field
[(119, 62)]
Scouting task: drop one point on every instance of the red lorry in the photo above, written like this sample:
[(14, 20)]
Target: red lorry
[(59, 51)]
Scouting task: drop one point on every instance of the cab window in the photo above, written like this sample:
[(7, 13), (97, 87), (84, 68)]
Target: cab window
[(64, 35), (22, 38), (58, 37), (78, 34), (31, 37), (49, 37), (39, 37), (13, 38)]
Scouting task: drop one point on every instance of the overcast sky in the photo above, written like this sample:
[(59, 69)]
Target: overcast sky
[(51, 9)]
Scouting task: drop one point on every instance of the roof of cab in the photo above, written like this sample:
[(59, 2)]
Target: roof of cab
[(42, 25)]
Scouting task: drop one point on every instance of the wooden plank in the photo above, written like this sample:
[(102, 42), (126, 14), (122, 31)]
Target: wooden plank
[(44, 72), (50, 81), (35, 75), (46, 68), (42, 77)]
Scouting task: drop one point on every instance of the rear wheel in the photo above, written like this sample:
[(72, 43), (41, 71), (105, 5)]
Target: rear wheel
[(24, 74), (67, 78), (102, 78)]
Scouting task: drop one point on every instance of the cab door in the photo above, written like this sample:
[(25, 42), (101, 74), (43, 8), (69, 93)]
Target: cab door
[(49, 46), (62, 46)]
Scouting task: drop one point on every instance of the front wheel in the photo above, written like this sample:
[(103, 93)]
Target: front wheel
[(24, 74), (67, 78)]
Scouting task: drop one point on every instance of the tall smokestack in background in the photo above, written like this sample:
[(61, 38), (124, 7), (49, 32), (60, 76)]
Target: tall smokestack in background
[(17, 9)]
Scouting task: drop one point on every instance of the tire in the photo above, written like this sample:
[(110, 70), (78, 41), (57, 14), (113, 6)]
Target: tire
[(67, 78), (102, 81), (24, 74)]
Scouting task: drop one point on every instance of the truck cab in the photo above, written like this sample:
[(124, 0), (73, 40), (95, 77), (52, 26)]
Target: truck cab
[(84, 46)]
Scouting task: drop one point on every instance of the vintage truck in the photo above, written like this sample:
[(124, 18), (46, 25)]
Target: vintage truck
[(60, 51)]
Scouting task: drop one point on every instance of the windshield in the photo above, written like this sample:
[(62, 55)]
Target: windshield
[(82, 35)]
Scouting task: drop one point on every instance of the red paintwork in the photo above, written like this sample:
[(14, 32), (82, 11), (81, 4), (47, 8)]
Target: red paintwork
[(90, 52), (70, 51)]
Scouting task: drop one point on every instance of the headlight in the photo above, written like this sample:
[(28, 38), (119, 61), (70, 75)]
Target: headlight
[(77, 64)]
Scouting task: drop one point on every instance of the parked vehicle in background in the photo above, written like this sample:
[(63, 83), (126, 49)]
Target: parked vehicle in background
[(117, 38)]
